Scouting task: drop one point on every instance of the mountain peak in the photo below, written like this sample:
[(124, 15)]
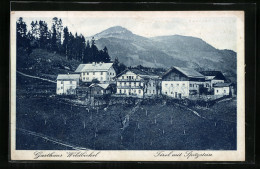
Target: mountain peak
[(115, 31)]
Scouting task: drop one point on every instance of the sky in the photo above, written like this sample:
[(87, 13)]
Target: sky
[(217, 30)]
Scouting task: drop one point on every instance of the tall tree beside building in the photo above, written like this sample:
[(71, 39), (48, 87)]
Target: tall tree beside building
[(86, 58), (54, 39), (65, 41), (94, 51), (57, 23)]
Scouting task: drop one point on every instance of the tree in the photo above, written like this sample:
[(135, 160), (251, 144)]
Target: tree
[(86, 58), (35, 30), (54, 39), (43, 39), (22, 42), (105, 55), (94, 51), (65, 41)]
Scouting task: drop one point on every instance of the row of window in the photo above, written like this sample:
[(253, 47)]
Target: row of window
[(130, 84), (101, 78), (129, 77), (166, 85), (101, 73), (124, 91), (62, 87)]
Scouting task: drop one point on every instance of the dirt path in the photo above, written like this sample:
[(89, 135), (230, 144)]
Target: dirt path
[(55, 141), (35, 77)]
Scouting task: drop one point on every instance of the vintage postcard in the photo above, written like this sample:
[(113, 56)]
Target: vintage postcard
[(127, 86)]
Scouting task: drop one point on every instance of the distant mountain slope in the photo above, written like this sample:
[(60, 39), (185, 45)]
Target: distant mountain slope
[(165, 51)]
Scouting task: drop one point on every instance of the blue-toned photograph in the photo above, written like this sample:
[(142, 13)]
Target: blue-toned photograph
[(126, 83)]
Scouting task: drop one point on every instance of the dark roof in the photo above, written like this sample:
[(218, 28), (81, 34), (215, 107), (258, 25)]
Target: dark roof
[(217, 74), (191, 73), (223, 84)]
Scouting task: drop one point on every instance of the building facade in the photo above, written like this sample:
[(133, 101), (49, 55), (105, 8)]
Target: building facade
[(138, 83), (67, 84), (212, 78), (223, 89), (103, 72), (181, 82)]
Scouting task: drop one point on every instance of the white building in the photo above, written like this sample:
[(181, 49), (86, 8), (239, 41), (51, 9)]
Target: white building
[(67, 84), (138, 83), (224, 89), (212, 78), (181, 82), (103, 72)]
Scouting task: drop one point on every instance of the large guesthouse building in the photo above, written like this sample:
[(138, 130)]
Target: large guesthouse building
[(138, 83), (103, 72), (181, 82)]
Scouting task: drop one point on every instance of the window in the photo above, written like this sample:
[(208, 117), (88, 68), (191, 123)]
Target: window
[(125, 83), (122, 77), (61, 87), (139, 91), (93, 73), (120, 91), (70, 87), (153, 84), (61, 82), (134, 91), (87, 73), (224, 91), (124, 91), (171, 85), (183, 84), (165, 92), (84, 78), (134, 84), (171, 92), (177, 84), (217, 91), (153, 91), (166, 85), (120, 83), (87, 78), (190, 85), (101, 78), (110, 73), (101, 73), (70, 82)]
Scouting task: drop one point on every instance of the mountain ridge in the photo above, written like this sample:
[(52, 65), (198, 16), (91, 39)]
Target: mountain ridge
[(165, 51)]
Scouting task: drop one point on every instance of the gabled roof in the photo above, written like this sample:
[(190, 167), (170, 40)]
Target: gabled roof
[(223, 84), (191, 73), (94, 67), (68, 77), (213, 75), (139, 72), (103, 86)]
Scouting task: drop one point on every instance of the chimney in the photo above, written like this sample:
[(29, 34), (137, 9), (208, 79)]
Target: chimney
[(93, 63)]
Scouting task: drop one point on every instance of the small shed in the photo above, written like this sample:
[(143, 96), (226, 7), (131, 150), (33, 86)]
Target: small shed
[(224, 89), (97, 89)]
